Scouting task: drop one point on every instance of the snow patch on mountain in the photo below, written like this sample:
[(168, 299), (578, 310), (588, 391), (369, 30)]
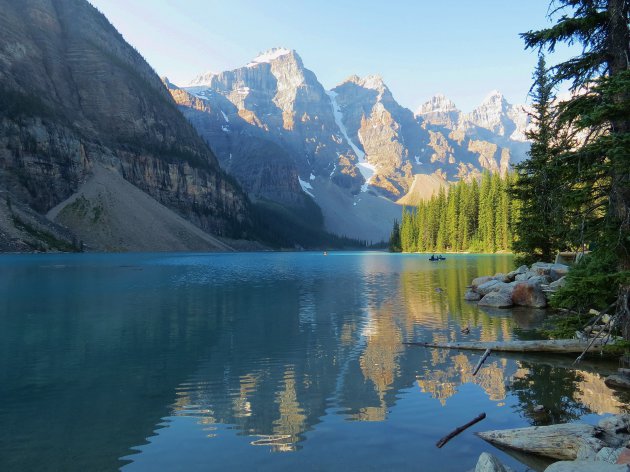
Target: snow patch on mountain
[(367, 170), (306, 187)]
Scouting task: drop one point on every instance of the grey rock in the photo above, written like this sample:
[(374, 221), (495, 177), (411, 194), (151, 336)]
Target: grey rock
[(615, 422), (608, 454), (617, 381), (522, 269), (489, 463), (490, 286), (586, 466), (557, 271), (476, 282), (539, 280), (586, 453), (502, 278), (497, 300), (541, 268), (471, 296)]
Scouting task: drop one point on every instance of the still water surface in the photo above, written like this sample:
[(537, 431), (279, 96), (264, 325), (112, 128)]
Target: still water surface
[(197, 362)]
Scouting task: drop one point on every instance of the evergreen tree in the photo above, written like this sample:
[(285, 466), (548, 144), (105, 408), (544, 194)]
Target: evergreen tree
[(597, 173), (394, 238), (453, 220), (538, 187)]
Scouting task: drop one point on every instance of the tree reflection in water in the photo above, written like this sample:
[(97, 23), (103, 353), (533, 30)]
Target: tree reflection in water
[(553, 388)]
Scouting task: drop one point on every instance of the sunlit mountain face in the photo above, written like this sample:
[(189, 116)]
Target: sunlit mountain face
[(353, 150)]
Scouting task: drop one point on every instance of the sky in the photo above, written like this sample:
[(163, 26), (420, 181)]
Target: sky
[(461, 48)]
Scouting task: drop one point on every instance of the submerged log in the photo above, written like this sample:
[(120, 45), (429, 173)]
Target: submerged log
[(562, 346), (456, 431), (481, 361), (560, 441)]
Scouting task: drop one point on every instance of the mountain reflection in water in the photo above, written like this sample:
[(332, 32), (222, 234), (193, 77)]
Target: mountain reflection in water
[(234, 356)]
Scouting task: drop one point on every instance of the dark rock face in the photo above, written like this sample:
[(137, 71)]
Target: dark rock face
[(264, 168), (73, 93)]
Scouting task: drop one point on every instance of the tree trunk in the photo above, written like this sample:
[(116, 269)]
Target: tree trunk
[(619, 52)]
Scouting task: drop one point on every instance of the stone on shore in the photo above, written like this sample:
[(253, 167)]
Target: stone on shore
[(471, 296), (497, 299), (558, 271), (491, 286), (488, 463), (480, 281), (541, 268), (585, 466), (615, 430), (616, 381), (609, 454), (529, 294)]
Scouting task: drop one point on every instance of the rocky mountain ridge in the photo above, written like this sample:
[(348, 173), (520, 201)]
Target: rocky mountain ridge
[(75, 96), (353, 148)]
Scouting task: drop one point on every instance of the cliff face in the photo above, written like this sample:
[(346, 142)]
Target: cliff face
[(353, 149), (73, 94)]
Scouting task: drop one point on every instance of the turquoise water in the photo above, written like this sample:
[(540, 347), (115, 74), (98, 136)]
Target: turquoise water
[(279, 361)]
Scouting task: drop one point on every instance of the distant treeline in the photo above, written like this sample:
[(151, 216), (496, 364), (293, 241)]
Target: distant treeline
[(472, 216)]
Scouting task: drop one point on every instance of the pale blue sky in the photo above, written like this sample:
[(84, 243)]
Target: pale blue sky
[(461, 48)]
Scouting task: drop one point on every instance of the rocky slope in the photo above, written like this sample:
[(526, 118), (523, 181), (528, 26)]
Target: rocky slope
[(73, 96), (352, 149)]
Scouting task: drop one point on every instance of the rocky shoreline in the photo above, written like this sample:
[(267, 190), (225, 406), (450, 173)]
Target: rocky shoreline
[(578, 447), (525, 286)]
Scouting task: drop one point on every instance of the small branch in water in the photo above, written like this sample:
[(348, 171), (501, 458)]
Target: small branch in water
[(456, 431), (481, 361)]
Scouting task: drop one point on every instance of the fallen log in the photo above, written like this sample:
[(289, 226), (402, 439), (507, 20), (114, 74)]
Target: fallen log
[(456, 431), (560, 346), (560, 441)]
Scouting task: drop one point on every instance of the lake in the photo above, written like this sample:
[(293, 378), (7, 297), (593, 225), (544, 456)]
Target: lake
[(264, 361)]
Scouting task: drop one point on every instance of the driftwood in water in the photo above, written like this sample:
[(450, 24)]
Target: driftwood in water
[(561, 441), (481, 361), (561, 346), (456, 431)]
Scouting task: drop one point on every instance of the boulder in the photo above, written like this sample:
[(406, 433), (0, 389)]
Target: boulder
[(585, 466), (616, 381), (522, 269), (526, 275), (480, 281), (615, 423), (609, 454), (497, 299), (529, 294), (502, 278), (541, 268), (558, 271), (488, 463), (586, 453), (487, 287), (471, 296), (540, 280)]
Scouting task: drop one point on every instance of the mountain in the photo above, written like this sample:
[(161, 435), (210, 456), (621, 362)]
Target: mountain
[(87, 128), (354, 150), (277, 130)]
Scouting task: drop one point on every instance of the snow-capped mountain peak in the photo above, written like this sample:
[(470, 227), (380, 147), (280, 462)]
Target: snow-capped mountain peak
[(203, 79), (437, 103), (269, 56)]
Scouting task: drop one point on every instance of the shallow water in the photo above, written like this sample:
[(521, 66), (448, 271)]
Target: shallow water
[(273, 361)]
